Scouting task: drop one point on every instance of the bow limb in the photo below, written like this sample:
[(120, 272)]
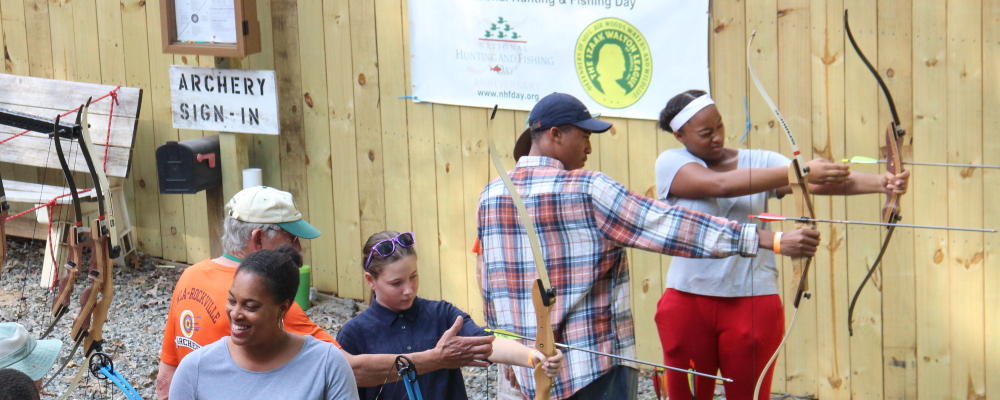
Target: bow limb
[(798, 181), (105, 200), (543, 296), (894, 164)]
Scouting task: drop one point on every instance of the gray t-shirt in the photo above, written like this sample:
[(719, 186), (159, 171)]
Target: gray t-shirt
[(319, 371), (733, 276)]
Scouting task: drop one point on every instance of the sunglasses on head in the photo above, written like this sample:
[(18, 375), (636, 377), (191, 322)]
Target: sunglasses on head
[(386, 247)]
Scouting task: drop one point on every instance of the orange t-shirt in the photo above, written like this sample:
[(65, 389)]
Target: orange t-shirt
[(198, 318)]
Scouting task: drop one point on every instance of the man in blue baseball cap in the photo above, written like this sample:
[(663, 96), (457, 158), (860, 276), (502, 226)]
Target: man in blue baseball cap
[(586, 220), (560, 126)]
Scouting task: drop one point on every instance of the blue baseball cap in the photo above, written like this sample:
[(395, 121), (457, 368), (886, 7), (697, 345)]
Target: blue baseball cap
[(560, 109)]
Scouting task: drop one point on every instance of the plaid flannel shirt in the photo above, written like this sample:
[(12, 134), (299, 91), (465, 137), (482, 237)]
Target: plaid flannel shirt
[(584, 221)]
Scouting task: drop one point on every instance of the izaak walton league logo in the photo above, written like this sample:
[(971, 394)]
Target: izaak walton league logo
[(613, 62)]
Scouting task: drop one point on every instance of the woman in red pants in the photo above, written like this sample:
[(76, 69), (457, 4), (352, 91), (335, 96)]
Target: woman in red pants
[(725, 314)]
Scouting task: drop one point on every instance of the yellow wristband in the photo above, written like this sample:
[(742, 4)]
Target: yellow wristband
[(531, 358), (777, 243)]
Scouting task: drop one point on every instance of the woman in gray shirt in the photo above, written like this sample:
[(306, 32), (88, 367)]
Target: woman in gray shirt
[(725, 314), (261, 360)]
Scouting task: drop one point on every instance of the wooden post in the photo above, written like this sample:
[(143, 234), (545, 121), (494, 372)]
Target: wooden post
[(214, 202)]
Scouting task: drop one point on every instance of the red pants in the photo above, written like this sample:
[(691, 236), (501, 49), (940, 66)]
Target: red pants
[(734, 335)]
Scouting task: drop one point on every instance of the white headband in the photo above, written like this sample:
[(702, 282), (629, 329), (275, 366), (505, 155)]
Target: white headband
[(689, 111)]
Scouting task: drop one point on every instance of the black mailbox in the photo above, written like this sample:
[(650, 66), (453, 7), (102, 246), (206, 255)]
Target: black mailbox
[(190, 166)]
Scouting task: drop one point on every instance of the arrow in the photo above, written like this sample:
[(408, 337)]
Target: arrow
[(869, 160), (500, 333), (774, 217)]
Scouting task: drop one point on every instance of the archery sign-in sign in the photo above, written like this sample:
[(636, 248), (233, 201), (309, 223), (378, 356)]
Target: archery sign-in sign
[(229, 100)]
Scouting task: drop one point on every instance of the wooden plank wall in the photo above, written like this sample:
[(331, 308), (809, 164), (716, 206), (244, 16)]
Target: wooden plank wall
[(359, 160)]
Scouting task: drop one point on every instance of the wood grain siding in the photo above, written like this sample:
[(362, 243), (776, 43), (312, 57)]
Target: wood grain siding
[(360, 159)]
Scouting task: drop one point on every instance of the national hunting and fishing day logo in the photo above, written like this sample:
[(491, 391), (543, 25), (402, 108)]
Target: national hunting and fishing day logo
[(613, 62), (504, 46)]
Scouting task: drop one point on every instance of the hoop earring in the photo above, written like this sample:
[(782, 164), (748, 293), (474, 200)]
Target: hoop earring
[(281, 323)]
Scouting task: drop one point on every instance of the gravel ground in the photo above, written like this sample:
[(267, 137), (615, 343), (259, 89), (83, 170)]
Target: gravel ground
[(133, 332)]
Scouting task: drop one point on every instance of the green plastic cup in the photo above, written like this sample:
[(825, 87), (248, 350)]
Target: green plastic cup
[(305, 279)]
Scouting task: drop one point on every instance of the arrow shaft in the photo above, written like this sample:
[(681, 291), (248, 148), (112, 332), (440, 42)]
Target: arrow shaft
[(644, 362), (510, 335), (946, 164), (947, 228)]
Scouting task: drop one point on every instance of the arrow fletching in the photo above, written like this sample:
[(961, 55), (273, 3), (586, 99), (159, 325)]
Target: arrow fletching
[(861, 160), (500, 333), (769, 217)]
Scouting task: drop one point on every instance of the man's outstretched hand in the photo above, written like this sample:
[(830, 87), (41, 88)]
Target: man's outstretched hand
[(460, 351)]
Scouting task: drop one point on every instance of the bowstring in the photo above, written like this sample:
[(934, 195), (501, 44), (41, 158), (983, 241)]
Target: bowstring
[(34, 230), (753, 327)]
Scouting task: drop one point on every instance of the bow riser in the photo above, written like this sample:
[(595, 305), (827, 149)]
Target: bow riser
[(545, 342), (90, 296), (73, 259), (803, 205), (61, 304), (893, 165)]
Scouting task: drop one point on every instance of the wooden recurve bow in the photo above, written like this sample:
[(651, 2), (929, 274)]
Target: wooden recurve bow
[(543, 295), (894, 164), (798, 180)]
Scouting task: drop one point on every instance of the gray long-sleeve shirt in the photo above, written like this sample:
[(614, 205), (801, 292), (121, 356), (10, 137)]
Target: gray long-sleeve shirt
[(319, 371)]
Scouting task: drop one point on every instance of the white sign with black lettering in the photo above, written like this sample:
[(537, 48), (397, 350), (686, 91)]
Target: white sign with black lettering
[(229, 100)]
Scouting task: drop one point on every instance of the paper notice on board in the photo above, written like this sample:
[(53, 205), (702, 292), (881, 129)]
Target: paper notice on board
[(205, 21)]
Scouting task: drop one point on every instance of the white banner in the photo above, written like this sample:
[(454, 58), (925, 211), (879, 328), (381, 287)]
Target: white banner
[(623, 58)]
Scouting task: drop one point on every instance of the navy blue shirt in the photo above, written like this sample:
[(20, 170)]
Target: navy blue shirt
[(379, 330)]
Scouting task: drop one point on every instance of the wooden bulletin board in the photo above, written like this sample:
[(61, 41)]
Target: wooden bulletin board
[(205, 27)]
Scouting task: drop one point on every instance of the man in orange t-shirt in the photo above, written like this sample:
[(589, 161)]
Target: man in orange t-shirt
[(263, 218)]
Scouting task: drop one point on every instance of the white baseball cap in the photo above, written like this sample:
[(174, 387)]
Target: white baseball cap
[(267, 205), (20, 351)]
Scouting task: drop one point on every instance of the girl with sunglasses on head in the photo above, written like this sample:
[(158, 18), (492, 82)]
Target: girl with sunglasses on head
[(399, 322), (725, 314)]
